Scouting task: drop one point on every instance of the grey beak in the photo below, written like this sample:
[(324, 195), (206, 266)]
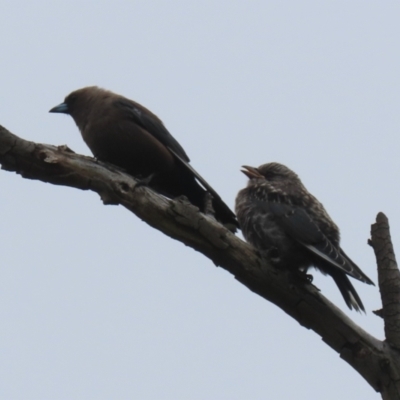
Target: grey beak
[(61, 108), (251, 172)]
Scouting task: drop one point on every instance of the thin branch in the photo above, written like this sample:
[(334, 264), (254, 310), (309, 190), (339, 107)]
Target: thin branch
[(181, 221), (388, 278)]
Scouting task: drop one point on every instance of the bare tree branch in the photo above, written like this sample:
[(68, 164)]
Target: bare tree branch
[(389, 285), (388, 278), (375, 360)]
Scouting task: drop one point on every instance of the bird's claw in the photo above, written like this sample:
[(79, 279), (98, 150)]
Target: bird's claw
[(144, 181)]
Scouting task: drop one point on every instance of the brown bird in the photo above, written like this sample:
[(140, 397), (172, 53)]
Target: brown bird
[(128, 135), (289, 226)]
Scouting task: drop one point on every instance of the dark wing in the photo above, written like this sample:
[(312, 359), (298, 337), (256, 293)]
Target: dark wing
[(205, 184), (156, 128), (152, 125), (298, 224)]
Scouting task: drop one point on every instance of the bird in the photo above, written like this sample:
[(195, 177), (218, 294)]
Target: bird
[(291, 228), (123, 132)]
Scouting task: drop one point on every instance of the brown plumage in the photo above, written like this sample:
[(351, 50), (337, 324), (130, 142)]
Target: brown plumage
[(126, 134), (289, 226)]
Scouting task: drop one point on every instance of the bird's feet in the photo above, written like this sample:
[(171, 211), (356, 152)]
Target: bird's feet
[(304, 277), (274, 256), (144, 181)]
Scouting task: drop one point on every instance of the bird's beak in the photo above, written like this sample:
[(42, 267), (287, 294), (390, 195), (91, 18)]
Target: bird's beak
[(251, 172), (61, 108)]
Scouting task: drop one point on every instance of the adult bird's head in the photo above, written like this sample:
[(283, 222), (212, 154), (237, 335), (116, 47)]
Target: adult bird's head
[(80, 103)]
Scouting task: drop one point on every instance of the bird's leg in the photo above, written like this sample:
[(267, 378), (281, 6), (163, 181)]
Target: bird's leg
[(297, 277), (303, 276), (309, 278), (144, 181), (108, 165), (303, 272), (274, 255)]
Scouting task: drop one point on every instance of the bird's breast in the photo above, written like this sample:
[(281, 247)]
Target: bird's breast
[(262, 229), (127, 145)]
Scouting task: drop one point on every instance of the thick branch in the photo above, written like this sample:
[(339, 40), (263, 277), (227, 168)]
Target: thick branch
[(182, 221)]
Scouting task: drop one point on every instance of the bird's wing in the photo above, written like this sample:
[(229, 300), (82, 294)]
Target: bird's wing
[(205, 184), (299, 225), (154, 126)]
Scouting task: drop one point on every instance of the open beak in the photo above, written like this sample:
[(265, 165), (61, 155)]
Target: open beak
[(251, 172)]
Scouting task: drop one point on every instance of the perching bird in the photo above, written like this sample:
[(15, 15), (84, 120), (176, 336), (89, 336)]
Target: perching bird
[(126, 134), (289, 226)]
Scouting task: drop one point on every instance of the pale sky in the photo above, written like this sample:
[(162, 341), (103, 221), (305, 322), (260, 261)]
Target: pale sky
[(94, 303)]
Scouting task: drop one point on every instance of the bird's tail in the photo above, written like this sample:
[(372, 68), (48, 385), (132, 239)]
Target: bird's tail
[(349, 294), (222, 212), (196, 195)]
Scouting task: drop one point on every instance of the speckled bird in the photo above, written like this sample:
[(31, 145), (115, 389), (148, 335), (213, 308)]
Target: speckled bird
[(290, 227)]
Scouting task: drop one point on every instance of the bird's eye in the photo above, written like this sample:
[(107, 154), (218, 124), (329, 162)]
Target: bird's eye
[(71, 99), (269, 175)]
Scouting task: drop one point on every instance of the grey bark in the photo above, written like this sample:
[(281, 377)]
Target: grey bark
[(377, 361)]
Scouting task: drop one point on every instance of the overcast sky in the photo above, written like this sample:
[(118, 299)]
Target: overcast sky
[(95, 304)]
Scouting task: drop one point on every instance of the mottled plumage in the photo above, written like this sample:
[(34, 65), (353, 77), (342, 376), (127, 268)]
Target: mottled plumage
[(126, 134), (289, 226)]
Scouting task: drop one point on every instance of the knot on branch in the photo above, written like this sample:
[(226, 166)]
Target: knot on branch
[(189, 215)]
